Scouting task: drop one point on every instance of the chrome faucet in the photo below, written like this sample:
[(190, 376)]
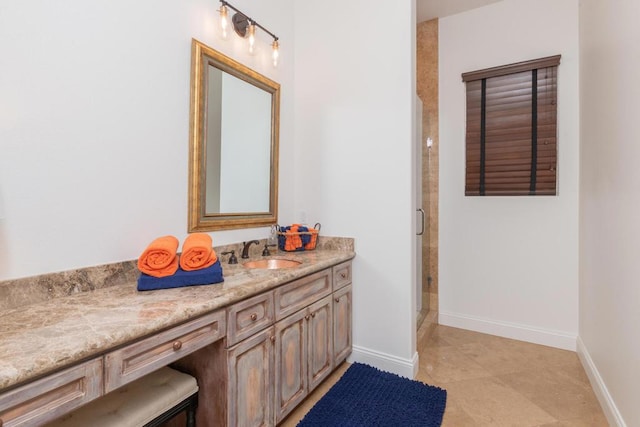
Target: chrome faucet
[(247, 245)]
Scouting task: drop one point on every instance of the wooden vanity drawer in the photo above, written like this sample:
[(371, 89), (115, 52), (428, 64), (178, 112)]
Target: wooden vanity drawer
[(248, 317), (136, 360), (341, 275), (301, 293), (51, 397)]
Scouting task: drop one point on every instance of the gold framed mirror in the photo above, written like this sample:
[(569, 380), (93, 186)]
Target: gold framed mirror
[(233, 144)]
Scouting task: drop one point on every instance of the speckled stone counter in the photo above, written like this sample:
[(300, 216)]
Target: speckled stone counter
[(49, 334)]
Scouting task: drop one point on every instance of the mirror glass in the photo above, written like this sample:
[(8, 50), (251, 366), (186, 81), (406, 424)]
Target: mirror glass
[(233, 144)]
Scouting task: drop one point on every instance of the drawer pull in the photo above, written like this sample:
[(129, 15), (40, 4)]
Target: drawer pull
[(177, 345), (343, 275), (254, 317)]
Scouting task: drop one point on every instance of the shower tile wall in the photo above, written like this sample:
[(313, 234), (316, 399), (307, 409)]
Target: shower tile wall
[(427, 86)]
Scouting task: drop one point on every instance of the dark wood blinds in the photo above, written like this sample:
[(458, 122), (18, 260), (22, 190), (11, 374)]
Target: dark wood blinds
[(511, 142)]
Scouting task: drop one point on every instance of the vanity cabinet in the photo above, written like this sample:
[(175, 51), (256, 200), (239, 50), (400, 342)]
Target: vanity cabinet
[(291, 351), (255, 360)]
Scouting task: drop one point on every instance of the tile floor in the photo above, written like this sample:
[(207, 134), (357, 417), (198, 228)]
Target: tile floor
[(493, 381)]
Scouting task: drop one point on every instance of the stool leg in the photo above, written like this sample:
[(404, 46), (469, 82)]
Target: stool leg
[(191, 417), (191, 411)]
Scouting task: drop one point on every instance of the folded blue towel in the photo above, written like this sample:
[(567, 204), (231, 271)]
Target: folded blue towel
[(182, 278), (306, 238)]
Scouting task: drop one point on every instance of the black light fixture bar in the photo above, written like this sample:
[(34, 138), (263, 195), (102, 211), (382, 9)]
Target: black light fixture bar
[(251, 20)]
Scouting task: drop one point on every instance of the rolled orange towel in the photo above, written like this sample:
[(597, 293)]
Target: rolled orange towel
[(293, 240), (197, 252), (160, 259), (313, 240)]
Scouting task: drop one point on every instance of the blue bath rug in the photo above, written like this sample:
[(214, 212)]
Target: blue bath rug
[(366, 396)]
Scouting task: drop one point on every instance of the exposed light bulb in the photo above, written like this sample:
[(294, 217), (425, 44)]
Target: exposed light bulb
[(224, 22), (276, 52), (251, 31)]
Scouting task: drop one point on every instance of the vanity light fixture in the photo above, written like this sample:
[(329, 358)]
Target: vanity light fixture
[(245, 27)]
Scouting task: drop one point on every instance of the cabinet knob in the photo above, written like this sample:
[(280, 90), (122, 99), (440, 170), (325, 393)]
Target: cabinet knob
[(176, 346), (337, 300), (306, 317), (272, 338), (254, 317), (313, 314)]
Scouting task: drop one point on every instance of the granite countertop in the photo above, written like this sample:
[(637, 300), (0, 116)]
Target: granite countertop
[(40, 338)]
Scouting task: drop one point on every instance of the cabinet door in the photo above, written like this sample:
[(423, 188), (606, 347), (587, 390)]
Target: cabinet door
[(291, 362), (341, 324), (320, 341), (250, 389)]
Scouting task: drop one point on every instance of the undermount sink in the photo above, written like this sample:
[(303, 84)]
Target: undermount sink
[(272, 264)]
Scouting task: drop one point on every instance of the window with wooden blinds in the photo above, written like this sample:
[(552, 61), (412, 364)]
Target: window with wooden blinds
[(511, 141)]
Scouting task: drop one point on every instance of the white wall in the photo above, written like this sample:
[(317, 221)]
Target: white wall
[(610, 204), (94, 125), (354, 92), (509, 265)]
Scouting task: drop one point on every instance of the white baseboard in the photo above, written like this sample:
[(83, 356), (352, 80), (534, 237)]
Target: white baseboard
[(548, 337), (407, 368), (600, 389)]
